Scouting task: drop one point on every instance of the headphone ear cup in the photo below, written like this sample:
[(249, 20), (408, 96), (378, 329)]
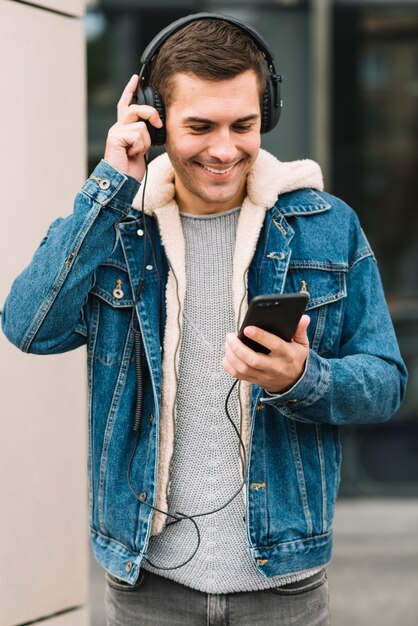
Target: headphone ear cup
[(159, 133), (270, 114), (151, 98), (265, 114)]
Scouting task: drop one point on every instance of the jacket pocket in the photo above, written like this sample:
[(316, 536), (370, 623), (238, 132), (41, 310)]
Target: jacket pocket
[(115, 302), (326, 284)]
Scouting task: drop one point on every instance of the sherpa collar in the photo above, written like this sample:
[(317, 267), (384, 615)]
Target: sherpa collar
[(267, 179)]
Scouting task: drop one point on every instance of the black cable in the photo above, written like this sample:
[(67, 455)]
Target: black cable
[(135, 322), (141, 282), (177, 516), (139, 378)]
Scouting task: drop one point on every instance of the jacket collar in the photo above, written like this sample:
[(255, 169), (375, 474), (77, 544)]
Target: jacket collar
[(302, 202), (267, 179)]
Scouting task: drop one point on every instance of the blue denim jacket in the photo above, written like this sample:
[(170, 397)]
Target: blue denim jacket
[(354, 374)]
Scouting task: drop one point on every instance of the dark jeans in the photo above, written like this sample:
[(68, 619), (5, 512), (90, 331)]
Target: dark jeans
[(158, 601)]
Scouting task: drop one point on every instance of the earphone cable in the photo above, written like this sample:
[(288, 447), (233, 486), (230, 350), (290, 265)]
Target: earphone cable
[(135, 321), (178, 516)]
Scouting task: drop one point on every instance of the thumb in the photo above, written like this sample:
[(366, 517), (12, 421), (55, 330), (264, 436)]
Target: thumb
[(300, 335)]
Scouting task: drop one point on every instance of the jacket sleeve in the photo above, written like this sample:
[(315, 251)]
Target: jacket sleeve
[(43, 312), (367, 382)]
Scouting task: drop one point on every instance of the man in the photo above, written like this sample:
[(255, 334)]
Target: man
[(159, 298)]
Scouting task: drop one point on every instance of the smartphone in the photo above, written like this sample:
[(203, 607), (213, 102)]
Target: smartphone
[(276, 313)]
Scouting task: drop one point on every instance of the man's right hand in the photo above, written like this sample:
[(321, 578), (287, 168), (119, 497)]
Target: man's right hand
[(128, 140)]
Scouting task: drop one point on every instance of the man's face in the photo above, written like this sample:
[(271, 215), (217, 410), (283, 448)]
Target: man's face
[(213, 138)]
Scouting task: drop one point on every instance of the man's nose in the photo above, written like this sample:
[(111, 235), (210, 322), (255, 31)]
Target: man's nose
[(223, 146)]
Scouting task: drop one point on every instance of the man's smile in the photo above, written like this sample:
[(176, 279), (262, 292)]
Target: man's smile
[(217, 170)]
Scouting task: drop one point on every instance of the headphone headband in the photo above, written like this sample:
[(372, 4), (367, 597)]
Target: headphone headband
[(172, 28)]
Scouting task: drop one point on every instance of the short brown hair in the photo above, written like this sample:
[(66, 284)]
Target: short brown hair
[(209, 49)]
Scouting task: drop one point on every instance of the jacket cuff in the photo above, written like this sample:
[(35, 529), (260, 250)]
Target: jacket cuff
[(311, 386), (106, 183)]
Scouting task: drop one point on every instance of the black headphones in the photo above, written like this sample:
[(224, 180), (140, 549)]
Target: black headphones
[(146, 94)]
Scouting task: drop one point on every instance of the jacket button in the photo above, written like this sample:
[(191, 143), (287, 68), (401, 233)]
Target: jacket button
[(293, 401), (257, 486), (260, 407), (143, 496), (104, 183), (149, 267), (140, 232), (150, 418), (128, 566)]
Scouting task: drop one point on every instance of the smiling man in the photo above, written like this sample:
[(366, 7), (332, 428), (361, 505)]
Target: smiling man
[(197, 516)]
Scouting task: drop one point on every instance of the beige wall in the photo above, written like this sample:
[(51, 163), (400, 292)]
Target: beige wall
[(43, 496), (72, 7)]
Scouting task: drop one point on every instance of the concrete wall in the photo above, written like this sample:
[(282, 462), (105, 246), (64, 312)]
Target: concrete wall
[(43, 433)]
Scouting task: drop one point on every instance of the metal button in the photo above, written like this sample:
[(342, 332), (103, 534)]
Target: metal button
[(260, 407), (70, 258), (149, 267), (150, 418), (128, 566), (104, 183), (280, 256), (257, 486), (140, 232), (118, 292), (293, 401), (143, 496)]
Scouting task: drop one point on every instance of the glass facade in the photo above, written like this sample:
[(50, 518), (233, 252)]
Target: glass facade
[(374, 155), (375, 166)]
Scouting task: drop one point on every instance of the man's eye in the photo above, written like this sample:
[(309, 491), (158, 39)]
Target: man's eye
[(243, 128), (199, 129)]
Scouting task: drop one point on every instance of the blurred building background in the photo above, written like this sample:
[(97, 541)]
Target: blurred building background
[(350, 102), (44, 542)]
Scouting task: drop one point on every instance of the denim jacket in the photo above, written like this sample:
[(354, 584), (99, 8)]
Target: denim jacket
[(79, 289)]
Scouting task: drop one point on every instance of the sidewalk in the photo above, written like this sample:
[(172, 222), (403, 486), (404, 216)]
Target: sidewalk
[(374, 573)]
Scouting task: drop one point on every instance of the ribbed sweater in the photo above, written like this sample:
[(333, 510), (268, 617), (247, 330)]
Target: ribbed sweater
[(205, 468)]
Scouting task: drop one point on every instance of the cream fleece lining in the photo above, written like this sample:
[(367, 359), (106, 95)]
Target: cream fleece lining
[(267, 179)]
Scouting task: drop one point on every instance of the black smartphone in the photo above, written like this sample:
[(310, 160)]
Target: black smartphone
[(276, 313)]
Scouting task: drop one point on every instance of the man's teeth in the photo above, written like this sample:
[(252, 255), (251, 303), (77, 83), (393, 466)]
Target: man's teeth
[(211, 169)]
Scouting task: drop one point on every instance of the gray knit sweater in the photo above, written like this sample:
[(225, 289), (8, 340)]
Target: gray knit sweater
[(205, 469)]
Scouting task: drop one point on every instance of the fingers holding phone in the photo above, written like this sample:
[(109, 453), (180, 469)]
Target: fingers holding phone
[(272, 356), (128, 140), (271, 342)]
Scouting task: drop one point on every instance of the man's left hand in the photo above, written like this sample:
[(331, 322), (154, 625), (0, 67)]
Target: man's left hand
[(275, 372)]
